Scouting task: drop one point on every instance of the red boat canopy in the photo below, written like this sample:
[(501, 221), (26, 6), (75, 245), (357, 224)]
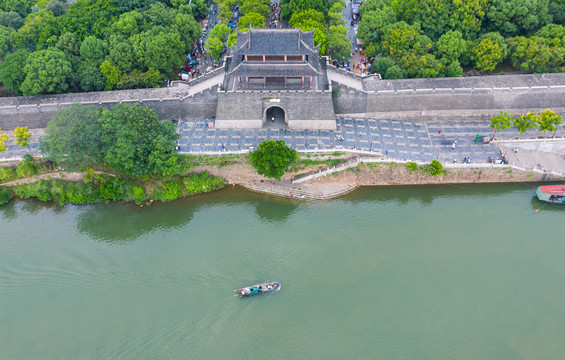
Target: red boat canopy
[(553, 190)]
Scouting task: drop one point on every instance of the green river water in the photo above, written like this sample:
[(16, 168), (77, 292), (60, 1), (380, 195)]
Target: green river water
[(450, 272)]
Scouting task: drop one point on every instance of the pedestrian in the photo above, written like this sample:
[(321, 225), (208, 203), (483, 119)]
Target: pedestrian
[(273, 119), (516, 151), (440, 131), (386, 153)]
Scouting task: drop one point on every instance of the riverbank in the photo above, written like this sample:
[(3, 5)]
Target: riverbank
[(336, 184), (327, 176)]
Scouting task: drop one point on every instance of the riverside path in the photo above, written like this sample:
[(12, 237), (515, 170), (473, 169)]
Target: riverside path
[(395, 139)]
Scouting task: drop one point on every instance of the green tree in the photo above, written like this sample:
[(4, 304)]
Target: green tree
[(272, 158), (22, 135), (486, 55), (72, 137), (373, 24), (93, 49), (536, 54), (551, 31), (549, 121), (451, 46), (158, 49), (11, 19), (129, 5), (11, 73), (3, 139), (338, 43), (111, 74), (454, 69), (381, 65), (307, 18), (217, 40), (527, 122), (5, 41), (289, 7), (335, 14), (56, 7), (398, 38), (121, 54), (260, 7), (395, 72), (251, 19), (47, 72), (90, 77), (501, 121), (514, 17), (138, 79), (134, 141)]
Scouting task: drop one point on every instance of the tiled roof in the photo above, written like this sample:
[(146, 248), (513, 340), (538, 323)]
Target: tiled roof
[(274, 70), (275, 42)]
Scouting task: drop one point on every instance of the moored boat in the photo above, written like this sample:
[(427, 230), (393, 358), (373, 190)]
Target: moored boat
[(554, 194), (258, 289)]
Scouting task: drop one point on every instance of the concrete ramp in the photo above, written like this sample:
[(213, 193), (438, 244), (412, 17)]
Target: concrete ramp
[(345, 78)]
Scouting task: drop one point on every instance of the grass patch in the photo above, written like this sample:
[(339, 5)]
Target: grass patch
[(7, 174), (220, 161)]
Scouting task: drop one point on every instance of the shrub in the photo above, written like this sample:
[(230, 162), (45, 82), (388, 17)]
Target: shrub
[(26, 168), (412, 166), (5, 195), (116, 188), (435, 168), (7, 174), (138, 194), (168, 191), (202, 183), (89, 175)]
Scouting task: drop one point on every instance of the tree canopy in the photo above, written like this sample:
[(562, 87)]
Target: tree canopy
[(128, 138), (478, 34), (134, 36), (272, 158)]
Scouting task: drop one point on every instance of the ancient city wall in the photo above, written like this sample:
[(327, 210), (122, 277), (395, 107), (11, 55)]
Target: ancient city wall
[(447, 98), (304, 109), (410, 99), (173, 103)]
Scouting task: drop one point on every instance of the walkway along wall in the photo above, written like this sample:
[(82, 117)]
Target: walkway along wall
[(173, 103), (446, 98)]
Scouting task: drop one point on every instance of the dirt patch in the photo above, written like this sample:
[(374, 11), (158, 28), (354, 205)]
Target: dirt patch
[(397, 174)]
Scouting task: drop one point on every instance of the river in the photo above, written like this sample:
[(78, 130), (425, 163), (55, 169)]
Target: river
[(434, 272)]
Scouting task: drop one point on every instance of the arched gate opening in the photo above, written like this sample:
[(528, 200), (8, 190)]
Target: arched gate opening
[(275, 118)]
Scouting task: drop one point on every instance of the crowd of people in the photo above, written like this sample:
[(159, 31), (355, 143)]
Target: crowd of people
[(275, 16), (198, 62)]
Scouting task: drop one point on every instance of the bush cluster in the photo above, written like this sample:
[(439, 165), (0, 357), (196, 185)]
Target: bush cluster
[(412, 166), (435, 168), (27, 168), (190, 185), (5, 195), (7, 174), (102, 187)]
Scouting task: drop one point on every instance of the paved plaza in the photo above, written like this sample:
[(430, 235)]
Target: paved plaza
[(404, 140)]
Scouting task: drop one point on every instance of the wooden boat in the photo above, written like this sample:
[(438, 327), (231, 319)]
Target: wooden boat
[(554, 194), (258, 289)]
